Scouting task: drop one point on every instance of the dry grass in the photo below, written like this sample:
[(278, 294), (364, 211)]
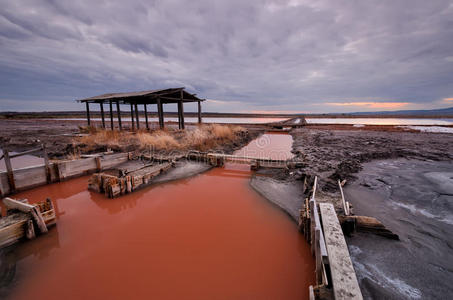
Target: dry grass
[(203, 137)]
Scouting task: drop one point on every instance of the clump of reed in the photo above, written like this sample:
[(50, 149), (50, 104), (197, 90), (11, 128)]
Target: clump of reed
[(202, 137)]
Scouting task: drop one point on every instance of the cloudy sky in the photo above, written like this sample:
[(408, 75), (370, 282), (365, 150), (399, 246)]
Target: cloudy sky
[(244, 56)]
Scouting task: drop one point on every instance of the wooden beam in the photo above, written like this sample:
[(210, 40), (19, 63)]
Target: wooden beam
[(102, 114), (344, 279), (343, 201), (160, 113), (111, 114), (118, 112), (88, 113), (132, 117), (9, 170), (146, 116), (181, 110), (199, 112), (136, 116)]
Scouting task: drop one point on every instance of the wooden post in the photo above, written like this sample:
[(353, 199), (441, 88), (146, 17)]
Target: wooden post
[(160, 113), (343, 201), (118, 111), (111, 115), (102, 114), (146, 116), (88, 113), (181, 110), (199, 112), (9, 170), (46, 162), (136, 116), (132, 116)]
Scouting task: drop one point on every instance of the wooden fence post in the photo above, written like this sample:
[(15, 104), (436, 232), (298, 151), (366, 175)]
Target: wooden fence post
[(46, 162), (9, 170)]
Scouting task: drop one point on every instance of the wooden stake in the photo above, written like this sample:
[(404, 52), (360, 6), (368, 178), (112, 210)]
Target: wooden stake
[(160, 112), (111, 114), (88, 113), (199, 112), (132, 116), (181, 110), (9, 170), (136, 117), (146, 116), (46, 162), (118, 111), (102, 114)]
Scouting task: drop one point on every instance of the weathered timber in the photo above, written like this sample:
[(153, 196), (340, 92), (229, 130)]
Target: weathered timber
[(146, 116), (126, 178), (118, 111), (21, 217), (101, 105), (9, 171), (88, 113), (111, 114), (136, 116), (199, 113), (366, 224), (343, 201), (132, 117), (344, 280)]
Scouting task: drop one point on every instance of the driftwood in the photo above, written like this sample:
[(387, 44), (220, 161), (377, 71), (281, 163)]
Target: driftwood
[(365, 224)]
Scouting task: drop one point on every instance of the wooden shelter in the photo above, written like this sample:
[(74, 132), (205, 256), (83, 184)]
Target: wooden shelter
[(158, 97)]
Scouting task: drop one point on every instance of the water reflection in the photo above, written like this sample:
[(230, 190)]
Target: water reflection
[(380, 121)]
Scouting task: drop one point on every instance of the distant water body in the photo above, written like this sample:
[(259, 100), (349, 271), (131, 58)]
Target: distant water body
[(352, 121)]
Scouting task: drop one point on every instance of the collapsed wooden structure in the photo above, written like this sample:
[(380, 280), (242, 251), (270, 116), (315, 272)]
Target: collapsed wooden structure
[(23, 220), (127, 177), (158, 97)]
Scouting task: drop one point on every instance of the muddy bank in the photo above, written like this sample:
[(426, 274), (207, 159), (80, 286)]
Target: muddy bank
[(414, 199), (339, 154), (287, 195)]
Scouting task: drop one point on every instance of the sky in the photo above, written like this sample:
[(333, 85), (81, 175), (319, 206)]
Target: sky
[(242, 56)]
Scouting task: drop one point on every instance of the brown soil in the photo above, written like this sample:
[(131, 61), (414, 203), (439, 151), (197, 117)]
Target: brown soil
[(58, 135)]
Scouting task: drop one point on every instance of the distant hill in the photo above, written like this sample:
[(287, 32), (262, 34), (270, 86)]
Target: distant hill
[(428, 112)]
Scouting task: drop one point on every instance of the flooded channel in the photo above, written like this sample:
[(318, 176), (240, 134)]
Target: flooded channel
[(206, 237)]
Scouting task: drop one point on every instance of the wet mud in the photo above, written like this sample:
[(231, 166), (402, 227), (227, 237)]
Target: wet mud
[(414, 199)]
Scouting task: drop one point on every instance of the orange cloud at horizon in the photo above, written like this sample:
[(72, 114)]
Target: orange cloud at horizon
[(370, 104), (448, 99)]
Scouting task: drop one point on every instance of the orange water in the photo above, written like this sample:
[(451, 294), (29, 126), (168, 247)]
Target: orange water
[(206, 237), (272, 145)]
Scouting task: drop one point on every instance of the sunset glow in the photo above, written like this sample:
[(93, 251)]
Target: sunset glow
[(386, 105)]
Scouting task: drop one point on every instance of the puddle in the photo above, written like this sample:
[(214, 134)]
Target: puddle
[(273, 145), (206, 237)]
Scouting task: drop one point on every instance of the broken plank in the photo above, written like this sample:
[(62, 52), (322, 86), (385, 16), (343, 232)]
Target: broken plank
[(344, 279)]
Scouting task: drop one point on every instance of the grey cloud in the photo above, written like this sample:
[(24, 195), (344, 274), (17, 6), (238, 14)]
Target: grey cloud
[(264, 53)]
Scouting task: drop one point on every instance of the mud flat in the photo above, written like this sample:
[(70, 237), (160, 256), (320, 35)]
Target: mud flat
[(415, 200)]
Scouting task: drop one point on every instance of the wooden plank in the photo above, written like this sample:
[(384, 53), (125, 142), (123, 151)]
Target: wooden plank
[(26, 152), (344, 280)]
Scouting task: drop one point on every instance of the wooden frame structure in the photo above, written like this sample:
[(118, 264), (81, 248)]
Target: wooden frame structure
[(158, 97)]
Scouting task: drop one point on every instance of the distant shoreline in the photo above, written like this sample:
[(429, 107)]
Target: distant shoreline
[(125, 113)]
